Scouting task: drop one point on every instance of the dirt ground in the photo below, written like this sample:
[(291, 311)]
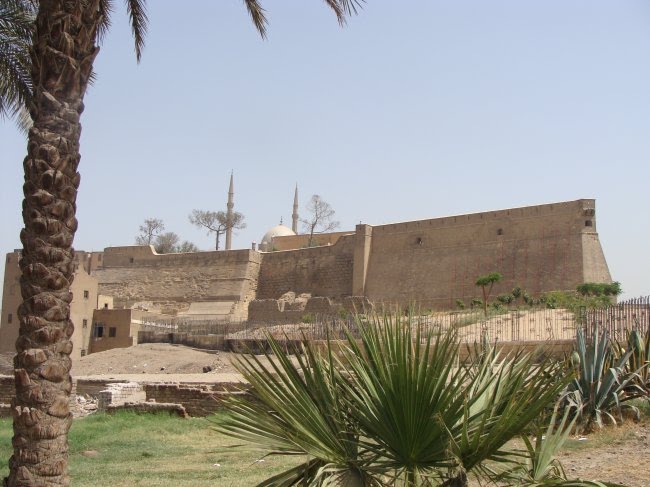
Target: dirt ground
[(617, 454), (153, 358)]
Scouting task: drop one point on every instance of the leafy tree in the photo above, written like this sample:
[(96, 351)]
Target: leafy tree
[(486, 283), (149, 230), (216, 222), (61, 55), (319, 219)]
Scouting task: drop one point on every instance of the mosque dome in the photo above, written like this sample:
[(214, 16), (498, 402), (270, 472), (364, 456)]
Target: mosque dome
[(276, 231)]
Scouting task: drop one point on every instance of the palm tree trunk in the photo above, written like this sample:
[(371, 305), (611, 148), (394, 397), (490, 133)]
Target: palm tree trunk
[(62, 56)]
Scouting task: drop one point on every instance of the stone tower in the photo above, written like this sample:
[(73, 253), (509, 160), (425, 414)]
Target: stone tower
[(229, 214), (294, 216)]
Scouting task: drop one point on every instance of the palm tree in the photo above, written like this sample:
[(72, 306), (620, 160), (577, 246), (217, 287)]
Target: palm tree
[(392, 407), (61, 55)]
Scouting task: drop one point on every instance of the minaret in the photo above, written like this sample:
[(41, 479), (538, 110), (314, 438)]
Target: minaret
[(294, 216), (229, 205)]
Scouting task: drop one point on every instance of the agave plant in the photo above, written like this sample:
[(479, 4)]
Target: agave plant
[(638, 344), (601, 380), (391, 408)]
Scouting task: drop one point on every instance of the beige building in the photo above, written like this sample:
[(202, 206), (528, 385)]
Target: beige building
[(84, 302), (114, 328)]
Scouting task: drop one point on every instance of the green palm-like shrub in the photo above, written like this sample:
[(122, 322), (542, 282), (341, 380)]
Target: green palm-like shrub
[(392, 407)]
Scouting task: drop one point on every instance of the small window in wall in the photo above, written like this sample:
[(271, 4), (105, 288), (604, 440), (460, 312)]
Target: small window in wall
[(83, 352), (589, 223), (105, 305), (86, 294), (10, 318), (112, 331), (131, 260), (98, 331), (84, 323), (500, 231)]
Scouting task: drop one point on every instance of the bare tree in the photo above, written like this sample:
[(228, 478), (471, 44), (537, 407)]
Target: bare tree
[(320, 218), (216, 222), (149, 230)]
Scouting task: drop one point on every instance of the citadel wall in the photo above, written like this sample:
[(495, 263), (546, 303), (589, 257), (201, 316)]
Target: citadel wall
[(291, 242), (435, 262), (320, 271), (172, 281)]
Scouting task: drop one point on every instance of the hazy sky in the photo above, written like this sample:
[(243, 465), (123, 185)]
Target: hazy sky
[(416, 109)]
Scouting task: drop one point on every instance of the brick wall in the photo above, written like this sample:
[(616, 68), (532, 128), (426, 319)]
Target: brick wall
[(435, 262), (199, 400), (133, 274), (290, 242), (321, 271)]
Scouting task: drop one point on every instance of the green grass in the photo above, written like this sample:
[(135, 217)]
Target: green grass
[(155, 450)]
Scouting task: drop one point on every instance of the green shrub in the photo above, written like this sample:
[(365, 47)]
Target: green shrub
[(599, 289), (392, 408)]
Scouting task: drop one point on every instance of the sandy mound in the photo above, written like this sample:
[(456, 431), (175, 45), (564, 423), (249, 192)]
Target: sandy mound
[(152, 358)]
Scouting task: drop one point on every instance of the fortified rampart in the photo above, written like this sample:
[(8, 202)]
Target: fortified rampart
[(435, 262), (172, 281), (319, 271), (432, 262)]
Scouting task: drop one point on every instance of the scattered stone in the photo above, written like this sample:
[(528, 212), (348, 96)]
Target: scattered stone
[(207, 368), (83, 406)]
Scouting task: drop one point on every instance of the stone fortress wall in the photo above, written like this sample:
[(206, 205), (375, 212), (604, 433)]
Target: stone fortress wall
[(432, 262), (319, 271), (171, 282)]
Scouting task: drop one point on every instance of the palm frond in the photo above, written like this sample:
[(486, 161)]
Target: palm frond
[(505, 397), (16, 28), (403, 389), (105, 9), (296, 410), (258, 16), (138, 16), (344, 8)]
